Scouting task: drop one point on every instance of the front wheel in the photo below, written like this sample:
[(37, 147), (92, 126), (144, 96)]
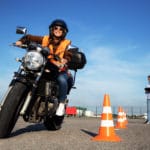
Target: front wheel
[(11, 108), (54, 122)]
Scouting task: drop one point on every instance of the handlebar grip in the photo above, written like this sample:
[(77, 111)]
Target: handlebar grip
[(21, 46)]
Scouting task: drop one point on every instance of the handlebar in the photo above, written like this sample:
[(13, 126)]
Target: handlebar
[(32, 46), (21, 46)]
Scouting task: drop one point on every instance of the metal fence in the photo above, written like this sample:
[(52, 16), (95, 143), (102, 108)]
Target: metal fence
[(129, 110)]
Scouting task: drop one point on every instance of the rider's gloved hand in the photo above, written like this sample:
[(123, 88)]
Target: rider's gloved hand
[(63, 67)]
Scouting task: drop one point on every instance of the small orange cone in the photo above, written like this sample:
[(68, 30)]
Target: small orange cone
[(125, 118), (106, 130), (120, 120)]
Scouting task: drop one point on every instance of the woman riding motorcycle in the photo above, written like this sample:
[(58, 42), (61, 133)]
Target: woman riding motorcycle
[(58, 46)]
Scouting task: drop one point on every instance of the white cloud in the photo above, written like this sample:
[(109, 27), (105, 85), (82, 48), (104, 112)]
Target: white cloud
[(107, 73)]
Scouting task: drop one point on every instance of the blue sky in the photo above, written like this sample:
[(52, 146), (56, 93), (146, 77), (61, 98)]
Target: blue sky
[(114, 34)]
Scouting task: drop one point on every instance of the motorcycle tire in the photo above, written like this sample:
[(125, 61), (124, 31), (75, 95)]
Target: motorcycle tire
[(11, 108), (54, 122)]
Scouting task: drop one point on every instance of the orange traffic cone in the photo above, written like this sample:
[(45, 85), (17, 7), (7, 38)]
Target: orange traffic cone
[(120, 120), (106, 130), (125, 118)]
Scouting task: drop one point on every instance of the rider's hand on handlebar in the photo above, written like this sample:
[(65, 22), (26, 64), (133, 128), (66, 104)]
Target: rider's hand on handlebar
[(63, 65), (64, 61), (62, 68), (19, 43)]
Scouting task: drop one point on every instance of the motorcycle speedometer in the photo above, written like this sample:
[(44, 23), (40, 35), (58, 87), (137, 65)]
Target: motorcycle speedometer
[(33, 60)]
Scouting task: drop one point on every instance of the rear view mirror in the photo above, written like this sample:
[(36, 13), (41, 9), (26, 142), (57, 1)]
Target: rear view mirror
[(21, 30)]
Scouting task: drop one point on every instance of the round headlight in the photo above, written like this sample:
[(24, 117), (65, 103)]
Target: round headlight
[(33, 60)]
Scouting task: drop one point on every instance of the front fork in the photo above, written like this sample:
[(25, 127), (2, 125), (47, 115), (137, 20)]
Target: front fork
[(31, 93), (50, 100), (26, 104), (47, 96)]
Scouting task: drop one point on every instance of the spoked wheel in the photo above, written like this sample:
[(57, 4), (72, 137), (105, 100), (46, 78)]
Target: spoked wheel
[(11, 108)]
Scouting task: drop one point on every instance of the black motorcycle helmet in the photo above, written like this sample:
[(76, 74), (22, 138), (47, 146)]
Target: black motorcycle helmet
[(58, 22)]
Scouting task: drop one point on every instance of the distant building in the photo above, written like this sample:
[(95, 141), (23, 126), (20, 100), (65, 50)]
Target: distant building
[(89, 113)]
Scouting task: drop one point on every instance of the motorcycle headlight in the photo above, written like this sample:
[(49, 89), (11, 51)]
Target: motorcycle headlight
[(33, 60)]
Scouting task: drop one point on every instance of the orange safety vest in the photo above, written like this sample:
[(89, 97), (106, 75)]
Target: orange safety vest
[(59, 51)]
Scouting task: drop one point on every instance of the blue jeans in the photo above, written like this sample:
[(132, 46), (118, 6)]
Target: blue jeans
[(63, 86)]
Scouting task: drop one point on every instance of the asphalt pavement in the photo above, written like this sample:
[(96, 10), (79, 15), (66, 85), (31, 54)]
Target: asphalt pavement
[(76, 134)]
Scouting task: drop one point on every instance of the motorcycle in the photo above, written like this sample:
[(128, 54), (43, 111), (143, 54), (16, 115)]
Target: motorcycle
[(33, 91)]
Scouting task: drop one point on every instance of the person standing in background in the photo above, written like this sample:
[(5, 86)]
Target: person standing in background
[(147, 91)]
